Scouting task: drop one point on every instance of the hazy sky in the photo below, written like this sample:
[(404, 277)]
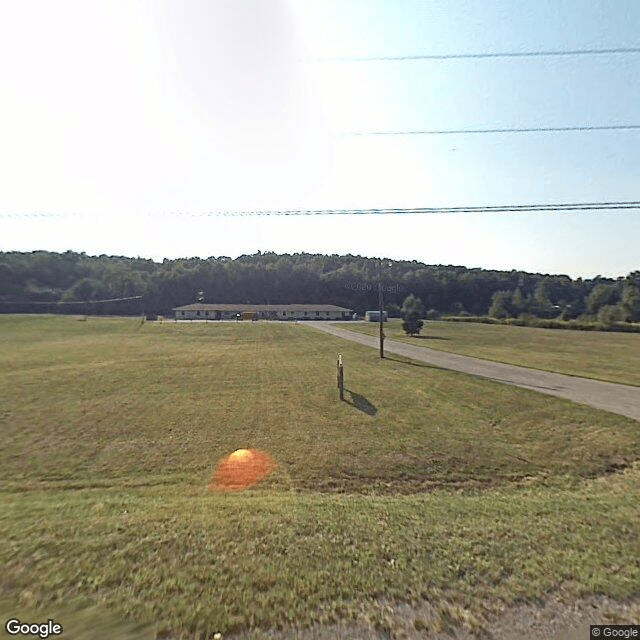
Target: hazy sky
[(127, 121)]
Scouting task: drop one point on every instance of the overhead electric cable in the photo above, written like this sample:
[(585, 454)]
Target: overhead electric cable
[(52, 302), (580, 206), (471, 56), (514, 208), (506, 130)]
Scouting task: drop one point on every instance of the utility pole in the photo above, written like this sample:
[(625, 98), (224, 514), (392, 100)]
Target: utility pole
[(381, 310)]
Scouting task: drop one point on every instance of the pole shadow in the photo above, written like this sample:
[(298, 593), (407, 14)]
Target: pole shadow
[(431, 338), (413, 364), (361, 403)]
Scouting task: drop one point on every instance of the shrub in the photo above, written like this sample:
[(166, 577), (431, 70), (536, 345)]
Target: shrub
[(609, 314)]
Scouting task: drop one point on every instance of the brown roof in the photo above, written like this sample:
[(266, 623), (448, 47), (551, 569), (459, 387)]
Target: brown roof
[(199, 306)]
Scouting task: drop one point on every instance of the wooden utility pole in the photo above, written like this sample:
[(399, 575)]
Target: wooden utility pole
[(381, 311), (340, 376)]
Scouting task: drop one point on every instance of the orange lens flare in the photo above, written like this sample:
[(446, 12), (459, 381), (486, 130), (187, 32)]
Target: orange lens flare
[(241, 469)]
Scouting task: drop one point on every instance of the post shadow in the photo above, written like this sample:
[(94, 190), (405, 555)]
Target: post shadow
[(414, 364), (361, 403)]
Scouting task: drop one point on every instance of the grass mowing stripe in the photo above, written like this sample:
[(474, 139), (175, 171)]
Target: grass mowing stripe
[(317, 558), (400, 426), (105, 473)]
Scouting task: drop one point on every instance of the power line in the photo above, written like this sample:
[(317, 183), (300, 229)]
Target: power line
[(505, 130), (28, 215), (516, 208), (472, 56), (581, 206), (52, 302)]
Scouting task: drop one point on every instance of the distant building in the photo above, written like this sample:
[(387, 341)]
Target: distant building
[(202, 311), (374, 316)]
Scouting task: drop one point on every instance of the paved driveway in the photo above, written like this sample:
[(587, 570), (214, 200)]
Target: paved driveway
[(617, 398)]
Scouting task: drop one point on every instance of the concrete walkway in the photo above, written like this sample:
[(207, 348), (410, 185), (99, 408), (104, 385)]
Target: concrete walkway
[(617, 398)]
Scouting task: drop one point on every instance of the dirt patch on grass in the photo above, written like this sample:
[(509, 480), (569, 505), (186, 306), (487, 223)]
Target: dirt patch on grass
[(560, 617), (412, 484), (554, 619), (396, 486)]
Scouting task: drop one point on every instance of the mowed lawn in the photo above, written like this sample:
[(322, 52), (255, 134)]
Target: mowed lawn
[(453, 494), (601, 355)]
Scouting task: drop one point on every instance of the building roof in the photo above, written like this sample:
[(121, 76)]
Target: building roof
[(200, 306)]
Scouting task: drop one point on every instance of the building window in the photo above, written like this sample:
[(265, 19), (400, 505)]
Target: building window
[(305, 313), (317, 313), (197, 313), (182, 312), (284, 313)]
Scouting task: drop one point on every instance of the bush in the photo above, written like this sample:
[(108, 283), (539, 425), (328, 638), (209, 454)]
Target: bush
[(565, 315), (609, 314), (412, 325)]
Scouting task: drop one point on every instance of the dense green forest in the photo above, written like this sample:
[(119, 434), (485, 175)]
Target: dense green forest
[(46, 282)]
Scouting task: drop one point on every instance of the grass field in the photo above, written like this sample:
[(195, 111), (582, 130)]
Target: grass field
[(425, 487), (609, 356)]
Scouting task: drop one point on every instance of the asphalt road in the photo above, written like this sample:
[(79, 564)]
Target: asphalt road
[(617, 398)]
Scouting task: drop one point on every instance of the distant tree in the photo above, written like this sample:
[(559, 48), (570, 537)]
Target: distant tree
[(500, 304), (413, 305), (267, 278), (393, 310), (412, 312), (565, 314), (634, 278), (601, 295), (432, 314), (517, 302), (9, 284), (631, 303), (85, 289), (459, 309), (541, 302), (609, 313)]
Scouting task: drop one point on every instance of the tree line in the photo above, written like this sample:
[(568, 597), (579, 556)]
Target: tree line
[(70, 282)]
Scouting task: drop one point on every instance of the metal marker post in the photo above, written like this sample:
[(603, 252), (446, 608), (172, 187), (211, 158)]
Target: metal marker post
[(381, 312), (340, 377)]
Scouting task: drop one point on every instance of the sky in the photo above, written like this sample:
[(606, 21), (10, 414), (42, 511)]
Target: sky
[(127, 126)]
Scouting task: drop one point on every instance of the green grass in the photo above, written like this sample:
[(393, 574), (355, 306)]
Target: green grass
[(426, 484), (609, 356)]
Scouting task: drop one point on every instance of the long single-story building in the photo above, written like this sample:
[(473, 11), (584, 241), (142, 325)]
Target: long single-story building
[(202, 311)]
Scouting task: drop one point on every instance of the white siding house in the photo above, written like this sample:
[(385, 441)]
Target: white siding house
[(202, 311)]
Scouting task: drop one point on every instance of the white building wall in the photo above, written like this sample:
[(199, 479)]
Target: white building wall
[(280, 315)]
